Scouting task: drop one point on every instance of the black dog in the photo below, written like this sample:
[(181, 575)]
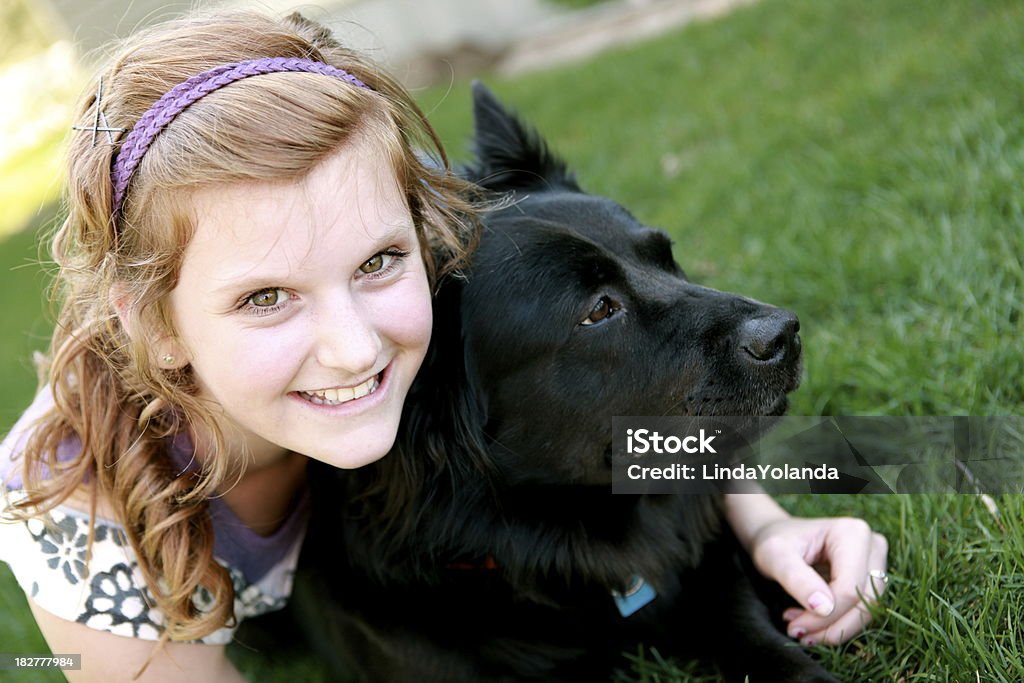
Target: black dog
[(488, 545)]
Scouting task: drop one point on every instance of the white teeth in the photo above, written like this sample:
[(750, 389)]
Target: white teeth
[(334, 397)]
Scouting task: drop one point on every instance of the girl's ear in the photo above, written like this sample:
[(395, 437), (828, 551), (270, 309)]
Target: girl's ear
[(121, 303), (166, 352), (170, 354)]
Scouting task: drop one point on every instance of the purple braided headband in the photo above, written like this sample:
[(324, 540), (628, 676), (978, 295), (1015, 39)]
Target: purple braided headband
[(182, 95)]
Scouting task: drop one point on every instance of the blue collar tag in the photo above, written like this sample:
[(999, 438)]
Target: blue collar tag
[(636, 596)]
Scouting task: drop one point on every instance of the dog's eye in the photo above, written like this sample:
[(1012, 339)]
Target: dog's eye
[(604, 308)]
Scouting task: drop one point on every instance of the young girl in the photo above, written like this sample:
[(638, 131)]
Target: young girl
[(245, 278)]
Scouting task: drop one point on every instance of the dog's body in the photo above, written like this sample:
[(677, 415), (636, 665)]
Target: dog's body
[(487, 546)]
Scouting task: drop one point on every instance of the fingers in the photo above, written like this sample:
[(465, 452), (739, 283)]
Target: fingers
[(858, 617), (842, 629), (849, 546), (853, 588), (786, 562), (834, 611)]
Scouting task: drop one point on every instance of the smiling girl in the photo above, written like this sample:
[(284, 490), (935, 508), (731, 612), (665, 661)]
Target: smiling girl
[(245, 278)]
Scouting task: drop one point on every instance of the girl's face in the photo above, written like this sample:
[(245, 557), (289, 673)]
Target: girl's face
[(304, 309)]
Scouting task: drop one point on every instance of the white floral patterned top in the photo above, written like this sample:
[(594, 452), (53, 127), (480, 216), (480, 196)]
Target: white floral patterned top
[(47, 555)]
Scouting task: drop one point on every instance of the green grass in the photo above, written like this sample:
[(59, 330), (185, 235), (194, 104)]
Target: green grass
[(858, 163), (24, 320)]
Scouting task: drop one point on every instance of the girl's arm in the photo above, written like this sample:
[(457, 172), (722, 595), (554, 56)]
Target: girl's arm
[(788, 549), (108, 657)]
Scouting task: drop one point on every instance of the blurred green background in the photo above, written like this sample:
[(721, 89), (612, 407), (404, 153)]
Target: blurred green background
[(857, 162)]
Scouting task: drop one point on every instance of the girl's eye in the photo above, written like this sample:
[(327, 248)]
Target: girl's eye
[(603, 309), (268, 298), (374, 264), (382, 263)]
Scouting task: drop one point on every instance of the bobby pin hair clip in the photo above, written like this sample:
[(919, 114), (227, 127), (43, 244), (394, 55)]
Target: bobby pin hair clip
[(99, 124)]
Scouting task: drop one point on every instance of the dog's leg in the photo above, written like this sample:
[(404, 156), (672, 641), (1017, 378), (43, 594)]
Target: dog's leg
[(734, 625), (757, 652), (737, 627)]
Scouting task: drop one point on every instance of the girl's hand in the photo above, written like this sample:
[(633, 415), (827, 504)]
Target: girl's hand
[(852, 559)]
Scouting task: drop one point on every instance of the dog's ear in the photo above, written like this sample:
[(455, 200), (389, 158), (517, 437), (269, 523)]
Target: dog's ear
[(445, 411), (509, 154)]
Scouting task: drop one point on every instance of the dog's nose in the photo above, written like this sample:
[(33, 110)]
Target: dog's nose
[(770, 338)]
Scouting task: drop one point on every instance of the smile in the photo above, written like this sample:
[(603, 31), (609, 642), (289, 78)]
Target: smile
[(337, 396)]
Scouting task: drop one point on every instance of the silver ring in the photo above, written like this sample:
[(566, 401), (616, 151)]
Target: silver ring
[(880, 575)]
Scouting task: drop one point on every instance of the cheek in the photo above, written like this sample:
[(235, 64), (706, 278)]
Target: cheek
[(244, 363), (231, 360), (405, 314)]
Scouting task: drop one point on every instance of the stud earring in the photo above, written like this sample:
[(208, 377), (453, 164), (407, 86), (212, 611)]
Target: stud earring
[(168, 359)]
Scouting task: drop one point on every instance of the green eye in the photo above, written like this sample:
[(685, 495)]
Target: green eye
[(266, 298), (373, 265)]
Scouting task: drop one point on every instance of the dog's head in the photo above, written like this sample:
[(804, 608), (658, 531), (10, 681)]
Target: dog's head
[(575, 312)]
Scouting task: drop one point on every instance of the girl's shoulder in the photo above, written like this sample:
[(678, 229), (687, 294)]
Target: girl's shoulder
[(50, 557), (13, 444), (101, 585)]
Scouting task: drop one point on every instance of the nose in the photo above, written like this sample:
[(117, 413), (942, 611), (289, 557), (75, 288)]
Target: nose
[(770, 338), (348, 340)]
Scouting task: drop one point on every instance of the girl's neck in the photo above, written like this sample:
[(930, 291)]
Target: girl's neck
[(263, 497)]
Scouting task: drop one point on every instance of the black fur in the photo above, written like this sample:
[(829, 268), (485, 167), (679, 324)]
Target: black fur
[(486, 546)]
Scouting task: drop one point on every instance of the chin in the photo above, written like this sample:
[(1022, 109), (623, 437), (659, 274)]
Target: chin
[(354, 458)]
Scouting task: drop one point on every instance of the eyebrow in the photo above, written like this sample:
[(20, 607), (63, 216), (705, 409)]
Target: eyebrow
[(248, 283)]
